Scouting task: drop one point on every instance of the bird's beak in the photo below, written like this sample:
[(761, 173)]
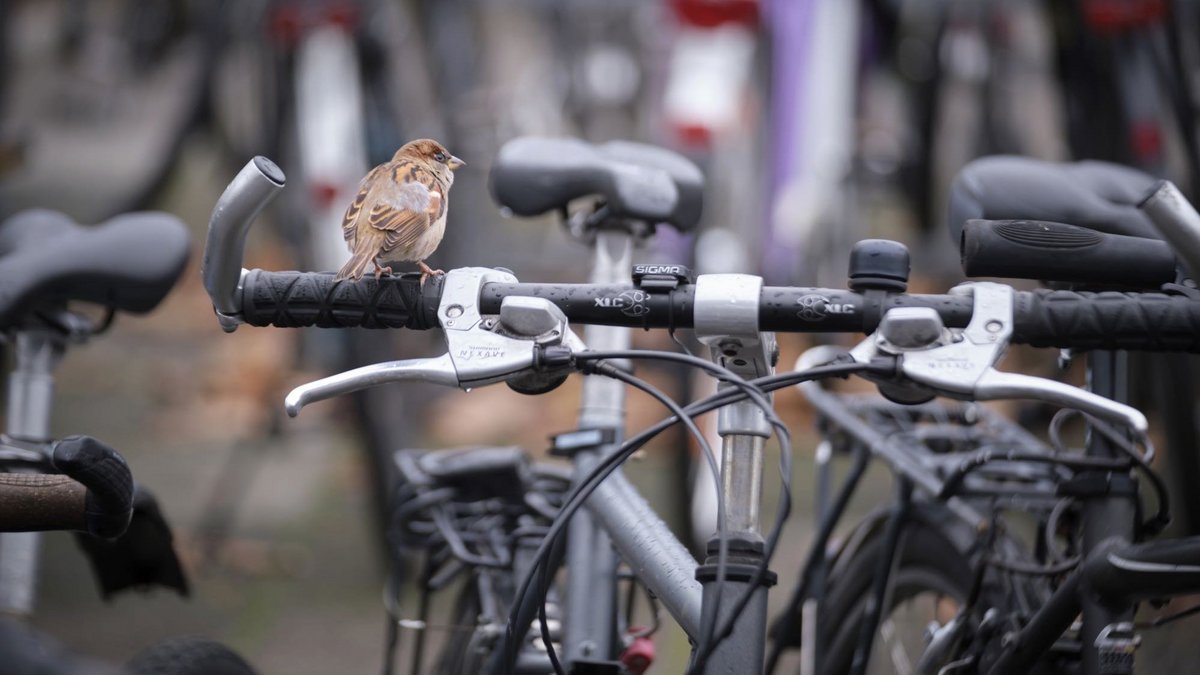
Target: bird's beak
[(455, 163)]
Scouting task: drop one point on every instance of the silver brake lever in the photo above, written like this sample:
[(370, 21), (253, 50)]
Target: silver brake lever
[(480, 350), (438, 370), (962, 365)]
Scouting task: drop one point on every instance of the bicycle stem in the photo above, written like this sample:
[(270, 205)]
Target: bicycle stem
[(726, 320)]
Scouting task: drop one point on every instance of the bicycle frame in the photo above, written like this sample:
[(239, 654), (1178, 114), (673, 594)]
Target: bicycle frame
[(30, 403)]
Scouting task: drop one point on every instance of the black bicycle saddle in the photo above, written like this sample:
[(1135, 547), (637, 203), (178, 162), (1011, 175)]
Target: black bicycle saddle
[(534, 175), (128, 263), (1098, 195)]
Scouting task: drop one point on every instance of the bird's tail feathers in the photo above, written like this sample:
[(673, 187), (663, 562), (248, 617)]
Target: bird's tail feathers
[(355, 267)]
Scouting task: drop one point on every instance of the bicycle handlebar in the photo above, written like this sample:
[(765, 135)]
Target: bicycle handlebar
[(1042, 318), (36, 501), (93, 494)]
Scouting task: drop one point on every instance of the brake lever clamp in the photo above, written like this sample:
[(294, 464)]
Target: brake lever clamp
[(480, 350), (933, 360)]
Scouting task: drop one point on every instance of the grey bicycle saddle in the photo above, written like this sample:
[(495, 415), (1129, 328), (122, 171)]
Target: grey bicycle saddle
[(128, 263), (535, 175), (1093, 194)]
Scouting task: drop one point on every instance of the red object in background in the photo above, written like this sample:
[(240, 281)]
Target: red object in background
[(638, 656), (712, 13), (1118, 15), (286, 23), (288, 20), (323, 194), (693, 135), (342, 14), (1146, 140)]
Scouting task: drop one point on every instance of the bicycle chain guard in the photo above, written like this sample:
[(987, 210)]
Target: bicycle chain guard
[(933, 360), (480, 350)]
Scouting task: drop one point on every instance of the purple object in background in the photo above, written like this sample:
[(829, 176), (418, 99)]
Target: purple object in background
[(790, 22)]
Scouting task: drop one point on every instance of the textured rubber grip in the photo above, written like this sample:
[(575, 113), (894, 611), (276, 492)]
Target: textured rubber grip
[(1110, 320), (107, 478), (299, 299), (1045, 251), (31, 502)]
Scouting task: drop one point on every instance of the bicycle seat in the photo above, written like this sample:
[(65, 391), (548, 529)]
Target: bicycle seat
[(535, 175), (128, 263), (1097, 195)]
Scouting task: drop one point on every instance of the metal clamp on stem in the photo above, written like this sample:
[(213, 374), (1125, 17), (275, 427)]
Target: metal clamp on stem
[(481, 350), (726, 319), (959, 364), (251, 190)]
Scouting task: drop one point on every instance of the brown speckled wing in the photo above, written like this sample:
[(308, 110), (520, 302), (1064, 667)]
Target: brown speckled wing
[(402, 210), (350, 220)]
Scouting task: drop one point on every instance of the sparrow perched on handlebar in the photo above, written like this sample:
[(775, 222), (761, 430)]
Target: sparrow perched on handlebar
[(399, 213)]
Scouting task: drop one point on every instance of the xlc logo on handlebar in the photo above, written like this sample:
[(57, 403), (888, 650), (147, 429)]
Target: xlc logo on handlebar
[(631, 303), (817, 307)]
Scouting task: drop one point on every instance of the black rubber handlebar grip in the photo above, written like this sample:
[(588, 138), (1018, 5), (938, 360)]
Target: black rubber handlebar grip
[(1045, 251), (1109, 320), (298, 299), (109, 502), (31, 502)]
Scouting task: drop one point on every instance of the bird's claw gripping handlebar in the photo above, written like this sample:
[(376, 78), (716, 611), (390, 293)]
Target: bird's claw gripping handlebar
[(479, 351), (960, 364)]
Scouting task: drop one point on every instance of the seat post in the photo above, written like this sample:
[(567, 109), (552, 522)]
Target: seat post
[(30, 402), (31, 385), (591, 560)]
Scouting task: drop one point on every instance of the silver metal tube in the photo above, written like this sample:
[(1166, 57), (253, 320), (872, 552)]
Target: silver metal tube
[(741, 473), (31, 386), (591, 561), (603, 401), (591, 596), (19, 554), (254, 186), (1177, 221), (650, 549), (30, 402)]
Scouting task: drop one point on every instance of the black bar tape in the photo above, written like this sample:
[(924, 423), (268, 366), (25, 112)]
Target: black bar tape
[(1135, 321), (298, 299), (109, 503)]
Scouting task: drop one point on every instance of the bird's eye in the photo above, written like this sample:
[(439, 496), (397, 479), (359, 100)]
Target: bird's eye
[(441, 156)]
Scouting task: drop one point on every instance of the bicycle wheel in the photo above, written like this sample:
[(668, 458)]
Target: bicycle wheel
[(472, 639), (930, 582), (188, 656)]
